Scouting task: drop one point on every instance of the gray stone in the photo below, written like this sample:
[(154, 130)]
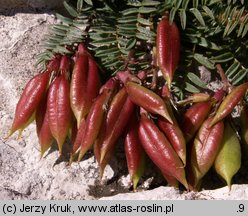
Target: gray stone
[(238, 192)]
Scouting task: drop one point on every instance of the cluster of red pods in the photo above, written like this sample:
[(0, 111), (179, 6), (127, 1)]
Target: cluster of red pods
[(67, 100)]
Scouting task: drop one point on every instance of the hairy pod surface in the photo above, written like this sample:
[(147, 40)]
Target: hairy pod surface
[(59, 110), (134, 152), (228, 160), (193, 119), (229, 102), (78, 89), (29, 101), (42, 126), (168, 48), (205, 148), (160, 150), (117, 118), (147, 99)]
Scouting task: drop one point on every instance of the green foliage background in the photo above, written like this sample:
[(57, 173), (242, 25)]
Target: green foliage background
[(118, 32)]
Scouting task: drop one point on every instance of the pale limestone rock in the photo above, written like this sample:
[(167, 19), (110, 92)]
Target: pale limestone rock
[(238, 192)]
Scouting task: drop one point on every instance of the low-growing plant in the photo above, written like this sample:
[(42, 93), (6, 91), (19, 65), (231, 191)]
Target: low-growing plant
[(127, 69)]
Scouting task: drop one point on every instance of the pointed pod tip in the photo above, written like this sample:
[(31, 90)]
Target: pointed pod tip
[(168, 80), (71, 159), (213, 122), (183, 159), (102, 156), (135, 180), (80, 156), (164, 114), (101, 173), (185, 184), (42, 154), (229, 185), (20, 133), (9, 134)]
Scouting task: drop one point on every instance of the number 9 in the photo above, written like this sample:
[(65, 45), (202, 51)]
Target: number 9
[(241, 207)]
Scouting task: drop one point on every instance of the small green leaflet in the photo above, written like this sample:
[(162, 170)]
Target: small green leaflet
[(204, 61), (208, 11), (222, 58), (232, 69), (130, 11), (71, 10), (196, 80), (147, 10), (183, 18), (172, 14), (144, 21), (198, 16), (150, 3), (191, 88), (80, 4), (239, 76), (64, 19), (131, 43)]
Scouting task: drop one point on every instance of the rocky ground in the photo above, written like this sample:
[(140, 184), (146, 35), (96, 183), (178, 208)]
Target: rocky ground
[(23, 175)]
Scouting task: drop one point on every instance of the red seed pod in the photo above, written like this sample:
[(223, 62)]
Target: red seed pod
[(110, 84), (117, 118), (160, 150), (194, 117), (53, 64), (29, 101), (59, 110), (42, 126), (99, 141), (134, 152), (172, 181), (165, 92), (97, 149), (147, 99), (168, 48), (82, 49), (94, 121), (244, 129), (205, 148), (77, 137), (65, 66), (125, 76), (93, 83), (175, 136), (229, 102), (79, 87)]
